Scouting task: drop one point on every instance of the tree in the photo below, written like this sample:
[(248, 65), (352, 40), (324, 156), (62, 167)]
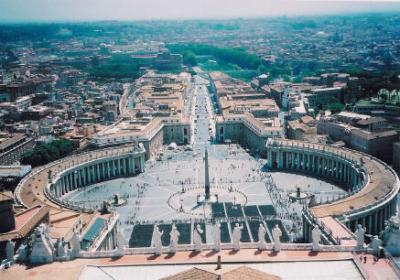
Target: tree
[(189, 58), (118, 66), (45, 153), (335, 107), (238, 56)]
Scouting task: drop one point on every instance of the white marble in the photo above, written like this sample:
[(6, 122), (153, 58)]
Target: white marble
[(316, 238), (276, 236), (236, 236), (156, 240)]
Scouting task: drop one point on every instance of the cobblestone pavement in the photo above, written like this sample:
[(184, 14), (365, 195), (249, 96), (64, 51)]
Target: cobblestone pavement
[(147, 194)]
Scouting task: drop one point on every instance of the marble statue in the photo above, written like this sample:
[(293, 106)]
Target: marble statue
[(42, 251), (10, 250), (60, 250), (217, 236), (173, 239), (276, 236), (104, 208), (120, 240), (49, 176), (75, 245), (156, 240), (46, 233), (236, 236), (197, 238), (360, 233), (376, 244), (316, 238), (262, 244), (391, 236), (22, 252)]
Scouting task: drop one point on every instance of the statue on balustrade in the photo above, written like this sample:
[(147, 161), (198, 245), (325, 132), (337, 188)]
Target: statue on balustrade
[(236, 236), (174, 238), (120, 243), (42, 249), (360, 236), (262, 244), (10, 250), (49, 176), (276, 236), (391, 236), (104, 208), (156, 240), (197, 238), (46, 233), (316, 238), (75, 245), (376, 244), (23, 252), (61, 253), (217, 236)]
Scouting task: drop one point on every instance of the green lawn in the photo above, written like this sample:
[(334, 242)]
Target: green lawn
[(230, 69)]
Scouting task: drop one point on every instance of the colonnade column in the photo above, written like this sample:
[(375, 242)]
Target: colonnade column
[(114, 164), (141, 163), (105, 173), (280, 159), (123, 166), (118, 167), (375, 224), (98, 172), (292, 159)]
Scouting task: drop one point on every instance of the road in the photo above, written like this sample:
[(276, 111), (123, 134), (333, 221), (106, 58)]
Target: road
[(202, 116)]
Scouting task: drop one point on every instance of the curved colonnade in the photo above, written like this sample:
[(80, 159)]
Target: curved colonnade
[(47, 184), (371, 184)]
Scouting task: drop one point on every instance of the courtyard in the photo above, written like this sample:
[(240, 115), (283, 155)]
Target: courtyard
[(168, 191)]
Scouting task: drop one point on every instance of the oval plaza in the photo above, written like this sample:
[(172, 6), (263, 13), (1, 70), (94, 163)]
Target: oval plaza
[(152, 196)]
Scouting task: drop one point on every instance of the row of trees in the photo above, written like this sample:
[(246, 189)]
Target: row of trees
[(117, 66), (45, 153), (189, 58), (238, 56)]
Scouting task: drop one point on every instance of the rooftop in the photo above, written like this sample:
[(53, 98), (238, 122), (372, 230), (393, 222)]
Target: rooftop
[(25, 222), (6, 196), (231, 273), (383, 181), (6, 143)]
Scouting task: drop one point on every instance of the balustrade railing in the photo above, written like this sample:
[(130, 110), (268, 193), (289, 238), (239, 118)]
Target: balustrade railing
[(348, 156), (206, 247), (68, 163)]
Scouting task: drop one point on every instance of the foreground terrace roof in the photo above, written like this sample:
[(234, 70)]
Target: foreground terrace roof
[(72, 269)]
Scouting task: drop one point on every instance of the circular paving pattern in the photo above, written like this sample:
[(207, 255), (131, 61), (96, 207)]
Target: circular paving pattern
[(191, 200)]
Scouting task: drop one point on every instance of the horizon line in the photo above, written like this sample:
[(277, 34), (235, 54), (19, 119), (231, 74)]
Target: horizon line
[(222, 18)]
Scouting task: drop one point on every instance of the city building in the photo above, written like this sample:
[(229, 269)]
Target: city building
[(11, 148), (396, 156), (323, 96), (367, 134), (18, 227), (250, 132)]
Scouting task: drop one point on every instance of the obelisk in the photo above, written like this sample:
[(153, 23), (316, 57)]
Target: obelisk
[(207, 176)]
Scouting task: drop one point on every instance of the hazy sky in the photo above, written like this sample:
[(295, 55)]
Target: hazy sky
[(70, 10)]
